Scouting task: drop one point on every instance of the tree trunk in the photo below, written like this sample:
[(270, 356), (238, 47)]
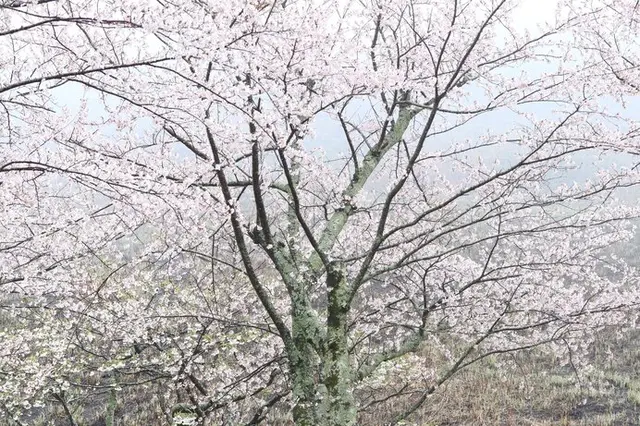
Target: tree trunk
[(338, 375), (304, 389), (323, 386), (304, 363)]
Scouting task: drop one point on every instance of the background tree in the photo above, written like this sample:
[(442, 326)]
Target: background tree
[(281, 204)]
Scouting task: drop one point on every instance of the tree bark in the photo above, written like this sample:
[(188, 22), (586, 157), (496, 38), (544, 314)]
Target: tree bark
[(304, 362), (322, 377), (338, 374)]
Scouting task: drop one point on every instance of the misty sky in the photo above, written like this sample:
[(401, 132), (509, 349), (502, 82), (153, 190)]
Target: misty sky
[(329, 138)]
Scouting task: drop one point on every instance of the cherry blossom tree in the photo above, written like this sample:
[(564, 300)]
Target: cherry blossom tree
[(613, 36), (244, 208)]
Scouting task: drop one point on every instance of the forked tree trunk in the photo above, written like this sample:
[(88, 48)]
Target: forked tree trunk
[(323, 394)]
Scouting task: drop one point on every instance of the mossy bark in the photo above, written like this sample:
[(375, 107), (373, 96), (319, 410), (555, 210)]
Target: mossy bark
[(303, 371), (110, 415), (322, 375), (338, 374)]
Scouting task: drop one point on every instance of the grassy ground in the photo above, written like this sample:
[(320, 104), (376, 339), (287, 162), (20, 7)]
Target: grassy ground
[(483, 396), (539, 392), (534, 392)]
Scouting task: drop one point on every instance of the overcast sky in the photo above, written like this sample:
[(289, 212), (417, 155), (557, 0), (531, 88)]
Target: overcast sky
[(329, 135)]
